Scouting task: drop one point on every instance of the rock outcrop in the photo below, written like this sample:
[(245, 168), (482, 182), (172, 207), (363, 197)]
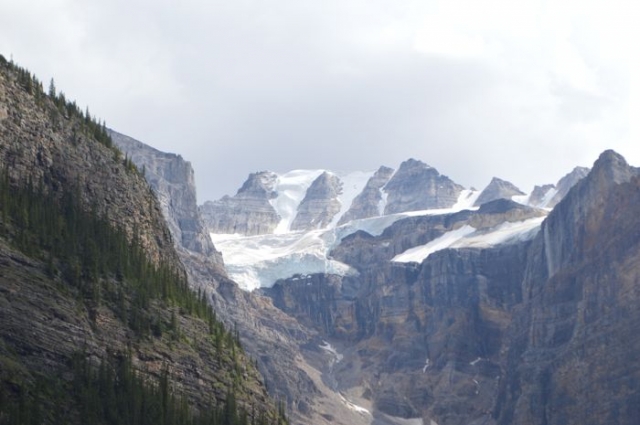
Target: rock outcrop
[(172, 180), (248, 212), (548, 196), (537, 331), (94, 296), (369, 202), (417, 186), (498, 189), (566, 183), (571, 345), (276, 340), (320, 203), (541, 195)]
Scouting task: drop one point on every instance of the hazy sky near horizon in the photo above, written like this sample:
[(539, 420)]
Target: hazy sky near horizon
[(522, 90)]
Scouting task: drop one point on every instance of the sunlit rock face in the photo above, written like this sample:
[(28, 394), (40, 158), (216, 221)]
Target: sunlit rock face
[(172, 180)]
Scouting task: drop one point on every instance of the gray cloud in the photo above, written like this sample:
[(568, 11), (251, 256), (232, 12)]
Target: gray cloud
[(242, 86)]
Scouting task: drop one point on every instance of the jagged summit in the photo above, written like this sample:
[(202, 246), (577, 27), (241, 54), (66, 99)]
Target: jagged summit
[(498, 189), (320, 203), (418, 186), (248, 212), (172, 179), (612, 167), (370, 202), (280, 225)]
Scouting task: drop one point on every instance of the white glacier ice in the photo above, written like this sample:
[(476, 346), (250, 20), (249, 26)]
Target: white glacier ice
[(468, 237), (291, 188), (419, 253), (352, 186), (259, 261)]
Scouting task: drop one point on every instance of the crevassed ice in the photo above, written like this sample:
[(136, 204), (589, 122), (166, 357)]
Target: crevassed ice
[(259, 261)]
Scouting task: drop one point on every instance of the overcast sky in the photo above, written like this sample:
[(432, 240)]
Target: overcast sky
[(523, 90)]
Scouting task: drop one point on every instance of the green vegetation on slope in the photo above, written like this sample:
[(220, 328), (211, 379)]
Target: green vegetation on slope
[(92, 281)]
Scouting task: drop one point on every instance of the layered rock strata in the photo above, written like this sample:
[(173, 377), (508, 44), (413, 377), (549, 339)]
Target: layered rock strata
[(417, 186), (320, 203), (369, 202), (248, 212)]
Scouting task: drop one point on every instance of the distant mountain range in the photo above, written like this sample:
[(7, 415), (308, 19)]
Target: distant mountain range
[(394, 296)]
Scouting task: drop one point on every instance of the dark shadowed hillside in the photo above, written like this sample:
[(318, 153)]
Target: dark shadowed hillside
[(97, 322)]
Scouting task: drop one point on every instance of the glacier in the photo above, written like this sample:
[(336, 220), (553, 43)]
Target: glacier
[(259, 261)]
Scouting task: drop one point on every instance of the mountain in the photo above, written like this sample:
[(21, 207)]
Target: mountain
[(498, 189), (387, 297), (97, 322), (277, 342), (495, 309), (549, 195), (528, 323), (417, 186), (249, 212)]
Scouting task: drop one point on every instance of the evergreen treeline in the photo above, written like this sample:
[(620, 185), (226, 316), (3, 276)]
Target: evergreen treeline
[(67, 109), (104, 266), (98, 263), (85, 251), (115, 393)]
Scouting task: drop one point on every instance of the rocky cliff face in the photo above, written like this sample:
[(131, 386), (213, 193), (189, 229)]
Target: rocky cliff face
[(320, 203), (571, 343), (417, 186), (171, 179), (566, 183), (534, 331), (57, 305), (410, 331), (498, 189), (540, 194), (38, 144), (548, 196), (248, 212), (276, 340), (369, 202)]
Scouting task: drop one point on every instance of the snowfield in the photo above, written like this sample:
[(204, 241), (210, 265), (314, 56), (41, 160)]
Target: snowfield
[(468, 237), (259, 261)]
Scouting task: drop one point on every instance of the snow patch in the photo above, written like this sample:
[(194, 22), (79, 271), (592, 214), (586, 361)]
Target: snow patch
[(291, 188), (468, 237), (355, 407), (352, 186), (382, 204), (521, 199), (426, 366), (504, 233), (330, 349), (551, 193), (259, 261), (466, 199), (419, 253)]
